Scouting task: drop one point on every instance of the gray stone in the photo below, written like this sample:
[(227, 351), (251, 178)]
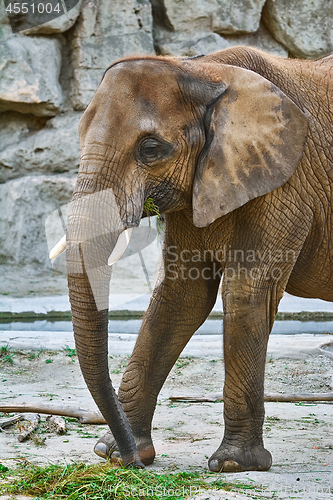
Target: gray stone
[(58, 25), (5, 29), (54, 149), (187, 44), (188, 16), (107, 31), (237, 16), (15, 127), (304, 27), (227, 17), (25, 204), (29, 75), (191, 28)]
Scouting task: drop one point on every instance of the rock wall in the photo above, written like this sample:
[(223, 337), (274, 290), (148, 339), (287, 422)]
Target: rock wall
[(49, 73)]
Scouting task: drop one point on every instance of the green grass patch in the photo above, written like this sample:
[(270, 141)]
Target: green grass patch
[(107, 482), (70, 352), (6, 355)]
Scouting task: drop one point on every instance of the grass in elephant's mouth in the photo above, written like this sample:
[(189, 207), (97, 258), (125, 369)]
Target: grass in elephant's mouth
[(151, 209), (105, 481)]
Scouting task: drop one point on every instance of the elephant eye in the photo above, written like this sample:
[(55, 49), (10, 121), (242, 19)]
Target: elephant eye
[(152, 150)]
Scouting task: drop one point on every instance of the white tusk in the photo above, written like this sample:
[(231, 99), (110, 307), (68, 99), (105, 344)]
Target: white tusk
[(121, 245), (58, 248)]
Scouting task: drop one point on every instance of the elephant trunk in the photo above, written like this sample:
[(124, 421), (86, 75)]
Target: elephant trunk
[(92, 232)]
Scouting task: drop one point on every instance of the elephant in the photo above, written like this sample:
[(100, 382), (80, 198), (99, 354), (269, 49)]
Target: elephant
[(235, 149)]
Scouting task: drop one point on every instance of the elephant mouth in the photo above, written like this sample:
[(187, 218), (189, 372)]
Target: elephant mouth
[(94, 220), (118, 250), (149, 209)]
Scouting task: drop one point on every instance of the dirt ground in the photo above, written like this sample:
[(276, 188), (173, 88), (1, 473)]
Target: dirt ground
[(299, 436)]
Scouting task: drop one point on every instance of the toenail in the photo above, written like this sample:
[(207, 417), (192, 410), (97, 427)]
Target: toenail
[(100, 450), (214, 466), (231, 466)]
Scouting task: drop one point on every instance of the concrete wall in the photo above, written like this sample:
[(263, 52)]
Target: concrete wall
[(48, 75)]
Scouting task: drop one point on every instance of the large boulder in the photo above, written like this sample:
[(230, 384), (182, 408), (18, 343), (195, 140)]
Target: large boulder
[(29, 74), (304, 27), (188, 44), (234, 17), (15, 127), (191, 28), (25, 204), (53, 149), (107, 31), (192, 44), (227, 17), (57, 25)]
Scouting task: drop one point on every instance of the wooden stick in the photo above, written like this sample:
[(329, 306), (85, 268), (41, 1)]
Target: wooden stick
[(271, 397), (316, 396), (57, 423), (11, 421), (34, 422), (206, 398), (84, 416)]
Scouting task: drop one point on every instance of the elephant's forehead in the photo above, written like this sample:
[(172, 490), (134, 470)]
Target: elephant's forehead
[(135, 97), (142, 77), (146, 88)]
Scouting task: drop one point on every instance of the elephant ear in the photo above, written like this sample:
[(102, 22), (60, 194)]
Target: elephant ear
[(255, 138)]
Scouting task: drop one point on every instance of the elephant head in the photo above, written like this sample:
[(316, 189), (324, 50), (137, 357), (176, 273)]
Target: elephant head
[(192, 135)]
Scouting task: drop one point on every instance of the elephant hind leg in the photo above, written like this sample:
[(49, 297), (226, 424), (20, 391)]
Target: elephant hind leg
[(247, 323), (240, 459)]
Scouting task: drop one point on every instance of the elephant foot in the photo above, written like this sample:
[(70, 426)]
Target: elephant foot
[(234, 459), (106, 447)]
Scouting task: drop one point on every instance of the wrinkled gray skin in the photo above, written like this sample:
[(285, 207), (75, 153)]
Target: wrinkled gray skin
[(236, 159)]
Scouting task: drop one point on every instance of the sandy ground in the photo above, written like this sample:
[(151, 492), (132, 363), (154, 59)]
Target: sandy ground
[(299, 436)]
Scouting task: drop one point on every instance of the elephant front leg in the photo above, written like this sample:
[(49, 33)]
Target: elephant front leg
[(177, 309), (249, 316)]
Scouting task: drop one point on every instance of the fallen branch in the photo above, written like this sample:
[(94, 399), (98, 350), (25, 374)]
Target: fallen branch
[(84, 416), (271, 397), (206, 398), (33, 425), (57, 423), (10, 421), (316, 396)]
